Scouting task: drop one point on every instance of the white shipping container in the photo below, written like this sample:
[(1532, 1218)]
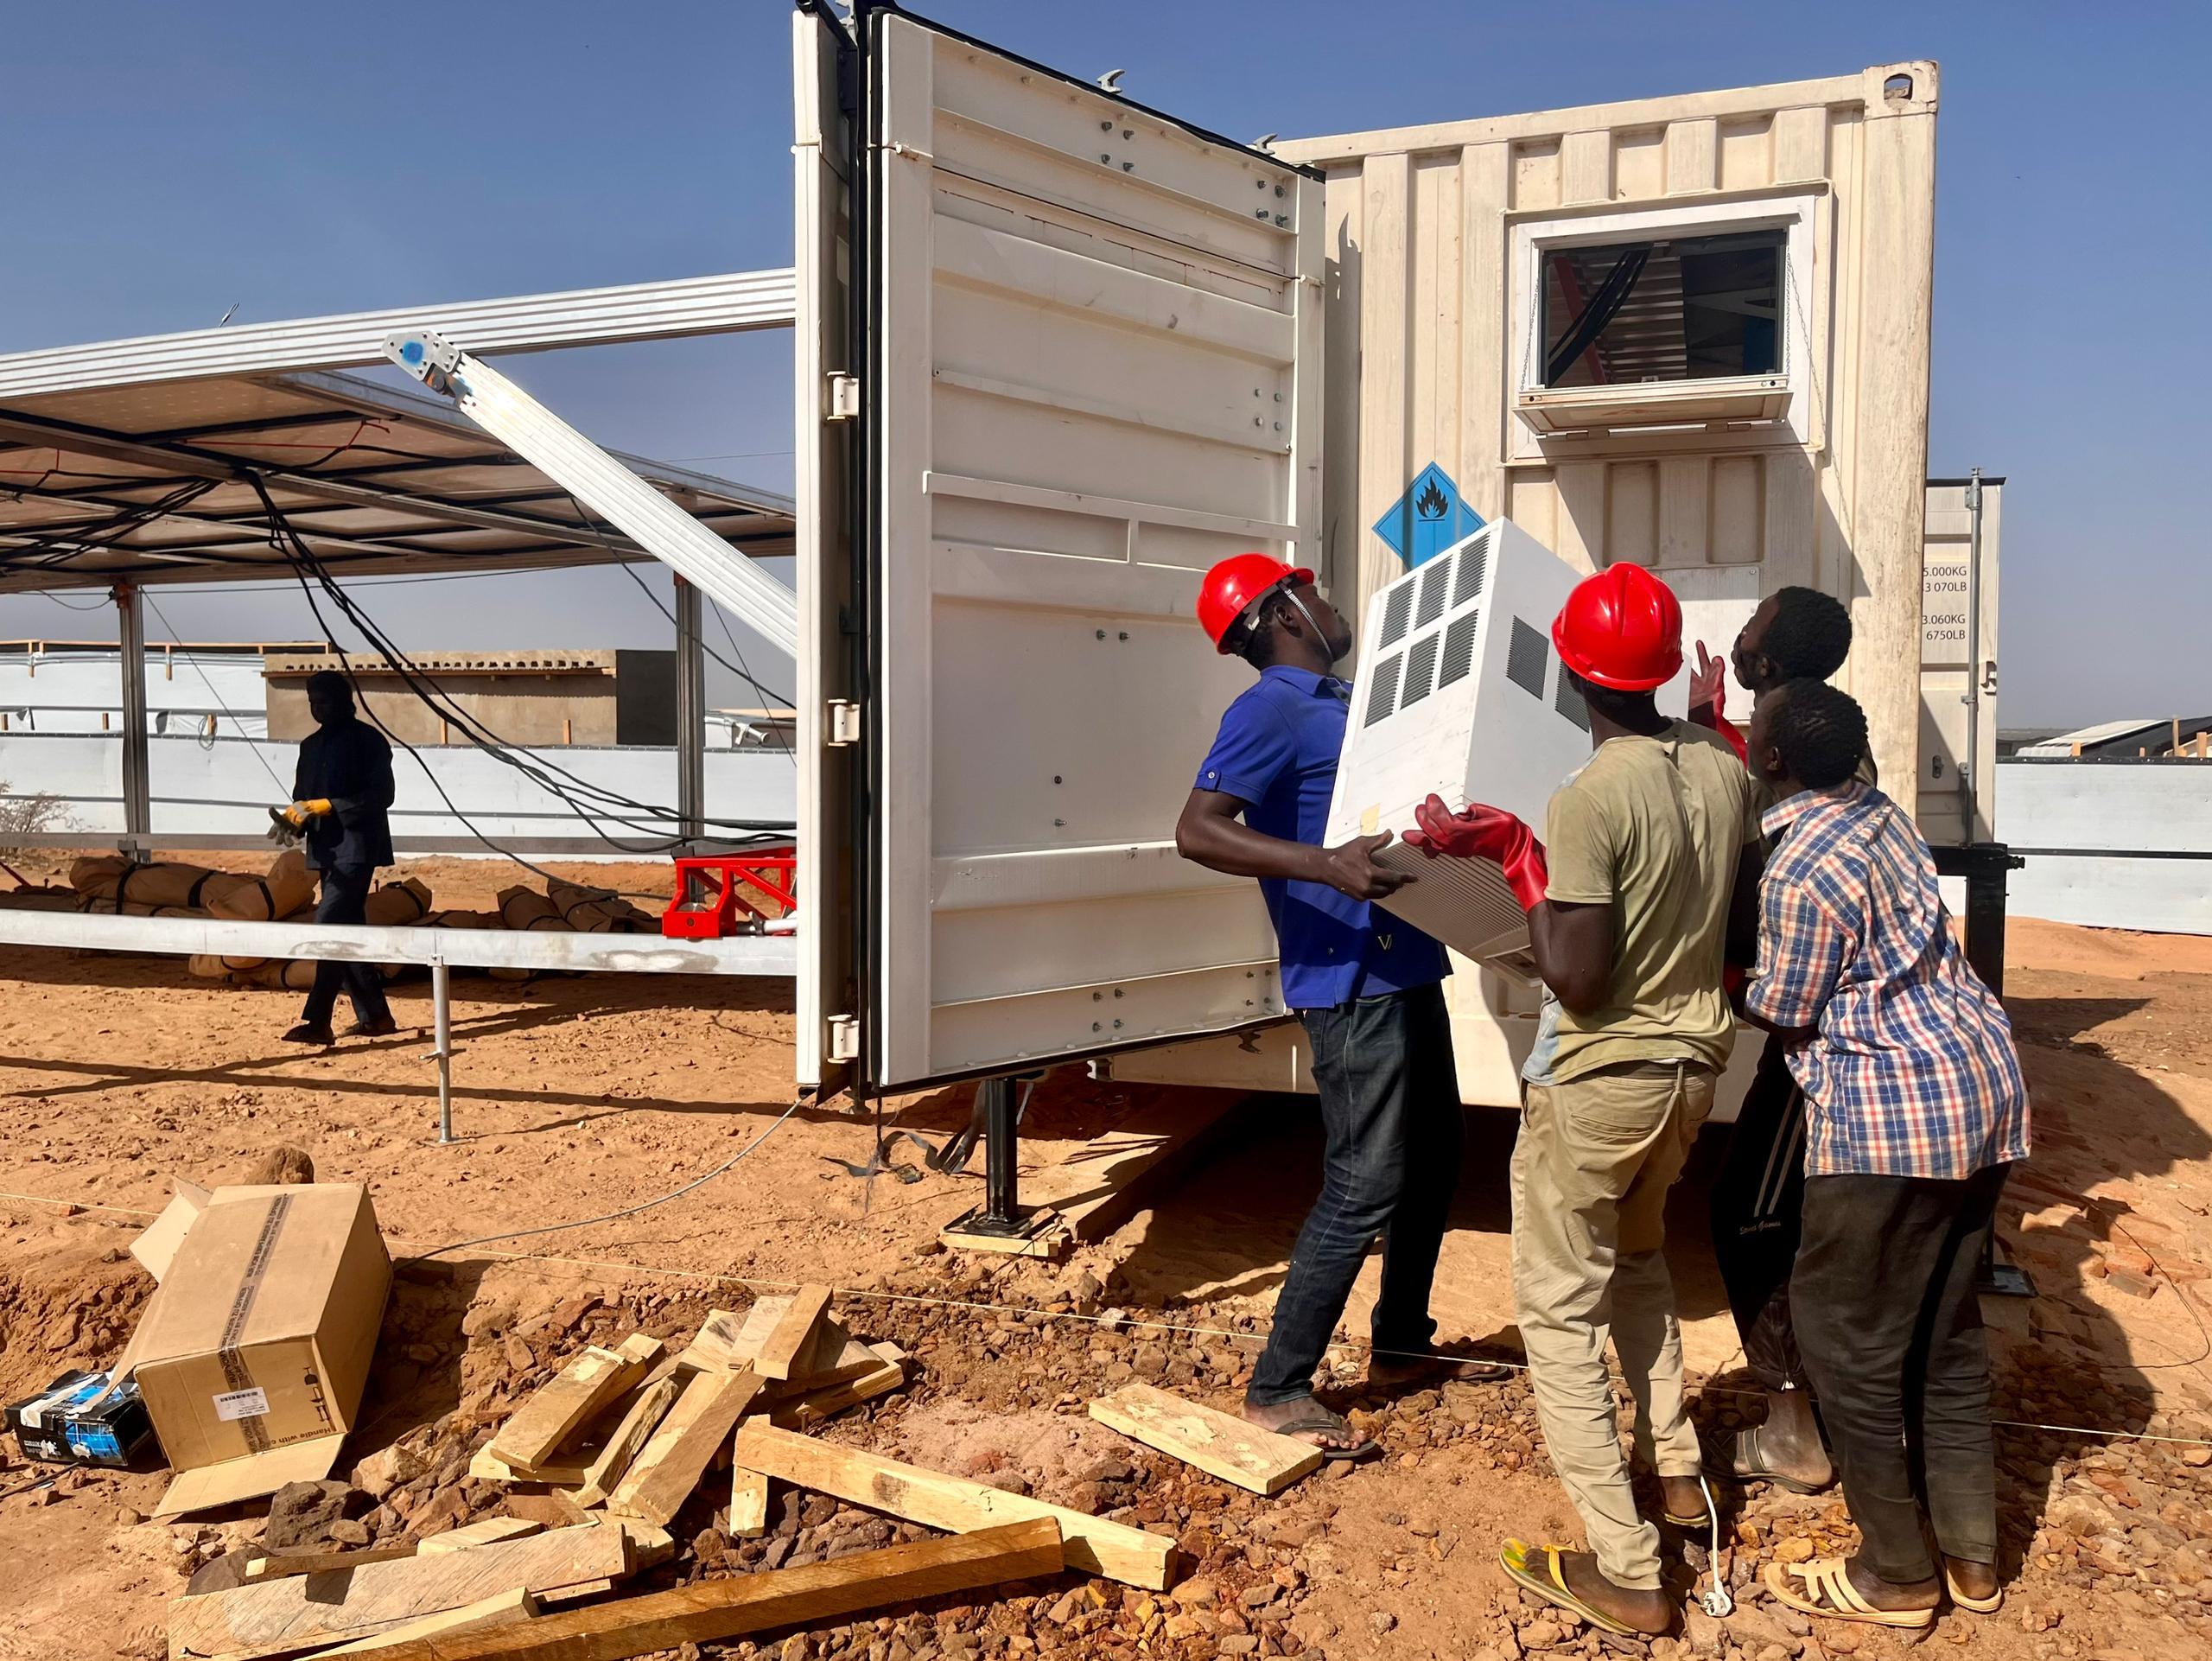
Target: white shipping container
[(1059, 353)]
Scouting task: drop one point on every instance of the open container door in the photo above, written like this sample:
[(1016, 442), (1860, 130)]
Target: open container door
[(824, 69), (1093, 370)]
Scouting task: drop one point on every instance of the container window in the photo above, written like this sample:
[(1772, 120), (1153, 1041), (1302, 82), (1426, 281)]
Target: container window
[(1672, 309)]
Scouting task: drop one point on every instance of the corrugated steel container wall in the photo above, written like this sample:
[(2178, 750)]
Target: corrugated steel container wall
[(1420, 223)]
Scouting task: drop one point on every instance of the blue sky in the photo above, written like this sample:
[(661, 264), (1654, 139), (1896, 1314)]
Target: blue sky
[(172, 161)]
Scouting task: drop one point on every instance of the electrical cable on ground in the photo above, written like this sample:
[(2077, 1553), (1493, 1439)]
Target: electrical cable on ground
[(616, 1216)]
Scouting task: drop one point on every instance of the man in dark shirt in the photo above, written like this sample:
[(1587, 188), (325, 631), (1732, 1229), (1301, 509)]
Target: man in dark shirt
[(341, 799)]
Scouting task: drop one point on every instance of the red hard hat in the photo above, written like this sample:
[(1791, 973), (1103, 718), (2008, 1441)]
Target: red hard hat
[(1621, 628), (1233, 586)]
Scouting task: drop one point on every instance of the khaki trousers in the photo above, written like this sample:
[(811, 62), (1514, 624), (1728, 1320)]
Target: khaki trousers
[(1591, 1171)]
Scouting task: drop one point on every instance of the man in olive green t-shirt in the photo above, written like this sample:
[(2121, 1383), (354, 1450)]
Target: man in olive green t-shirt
[(1645, 848)]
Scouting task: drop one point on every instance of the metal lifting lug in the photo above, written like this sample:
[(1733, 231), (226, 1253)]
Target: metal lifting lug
[(844, 404), (843, 726)]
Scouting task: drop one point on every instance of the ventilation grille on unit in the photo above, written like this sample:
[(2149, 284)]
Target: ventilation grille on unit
[(1444, 591), (1528, 653)]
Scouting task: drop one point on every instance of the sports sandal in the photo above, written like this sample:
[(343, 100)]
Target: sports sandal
[(1826, 1590), (1988, 1605), (1318, 1420), (1748, 1466), (1518, 1560)]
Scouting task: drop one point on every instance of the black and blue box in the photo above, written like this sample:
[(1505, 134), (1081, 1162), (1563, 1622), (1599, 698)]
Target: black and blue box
[(66, 1423)]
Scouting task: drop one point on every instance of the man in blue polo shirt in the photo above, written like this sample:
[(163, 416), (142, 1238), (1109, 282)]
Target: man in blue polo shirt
[(1368, 988)]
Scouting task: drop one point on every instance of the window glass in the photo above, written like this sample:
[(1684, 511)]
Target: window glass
[(1684, 309)]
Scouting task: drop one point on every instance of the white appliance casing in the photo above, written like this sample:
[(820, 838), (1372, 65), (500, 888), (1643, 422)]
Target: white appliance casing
[(1460, 694)]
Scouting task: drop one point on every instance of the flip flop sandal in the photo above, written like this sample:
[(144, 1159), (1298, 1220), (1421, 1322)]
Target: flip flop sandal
[(1439, 1370), (1988, 1605), (1826, 1590), (1547, 1582), (1748, 1466), (1321, 1422)]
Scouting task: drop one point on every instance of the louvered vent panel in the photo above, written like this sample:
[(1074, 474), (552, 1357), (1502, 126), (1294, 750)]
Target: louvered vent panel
[(1435, 583), (1397, 611), (1420, 670), (1459, 649), (1381, 692), (1526, 657)]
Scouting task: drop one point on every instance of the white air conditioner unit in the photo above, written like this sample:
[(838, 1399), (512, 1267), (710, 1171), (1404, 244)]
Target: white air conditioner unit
[(1460, 695)]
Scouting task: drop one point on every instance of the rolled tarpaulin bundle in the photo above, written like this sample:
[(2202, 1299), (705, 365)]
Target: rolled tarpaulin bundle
[(464, 920), (526, 908), (598, 911), (112, 877), (284, 888), (206, 966), (396, 905)]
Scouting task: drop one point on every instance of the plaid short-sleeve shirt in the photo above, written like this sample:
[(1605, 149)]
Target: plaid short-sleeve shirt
[(1911, 1071)]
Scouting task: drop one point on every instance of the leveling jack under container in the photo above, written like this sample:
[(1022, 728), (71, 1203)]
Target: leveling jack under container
[(1001, 1222)]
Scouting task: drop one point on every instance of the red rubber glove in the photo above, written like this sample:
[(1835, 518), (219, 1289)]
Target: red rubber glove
[(1480, 832), (1709, 702)]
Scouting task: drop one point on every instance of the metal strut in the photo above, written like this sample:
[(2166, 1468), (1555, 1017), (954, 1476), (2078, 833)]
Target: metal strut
[(602, 484), (1002, 1216)]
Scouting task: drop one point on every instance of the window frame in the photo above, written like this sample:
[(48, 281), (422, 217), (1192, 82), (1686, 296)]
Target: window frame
[(1780, 408)]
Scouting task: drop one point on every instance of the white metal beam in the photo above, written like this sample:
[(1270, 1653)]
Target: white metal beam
[(602, 484), (768, 955), (727, 304)]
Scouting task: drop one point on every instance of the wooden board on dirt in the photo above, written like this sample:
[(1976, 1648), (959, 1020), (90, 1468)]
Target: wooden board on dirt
[(508, 1609), (1216, 1442), (538, 1428), (805, 1412), (268, 1618), (695, 1430), (748, 1503), (1094, 1544), (788, 1351), (639, 1420), (737, 1605), (488, 1532), (1101, 1185)]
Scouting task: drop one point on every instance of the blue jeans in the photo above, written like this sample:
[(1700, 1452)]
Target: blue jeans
[(1392, 1125)]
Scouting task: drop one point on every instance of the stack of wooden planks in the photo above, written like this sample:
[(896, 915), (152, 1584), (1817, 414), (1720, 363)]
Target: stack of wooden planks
[(623, 1437)]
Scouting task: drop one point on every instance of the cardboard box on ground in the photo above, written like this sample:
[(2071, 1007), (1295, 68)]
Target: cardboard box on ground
[(253, 1353)]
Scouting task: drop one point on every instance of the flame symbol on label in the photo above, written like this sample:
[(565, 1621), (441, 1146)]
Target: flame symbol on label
[(1430, 504)]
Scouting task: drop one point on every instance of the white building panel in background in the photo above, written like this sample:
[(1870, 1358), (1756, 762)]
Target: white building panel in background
[(2120, 845)]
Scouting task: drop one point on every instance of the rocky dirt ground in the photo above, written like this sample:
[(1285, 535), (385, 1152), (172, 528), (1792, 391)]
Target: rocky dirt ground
[(587, 1096)]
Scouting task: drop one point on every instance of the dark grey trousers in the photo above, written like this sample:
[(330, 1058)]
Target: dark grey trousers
[(1889, 1324)]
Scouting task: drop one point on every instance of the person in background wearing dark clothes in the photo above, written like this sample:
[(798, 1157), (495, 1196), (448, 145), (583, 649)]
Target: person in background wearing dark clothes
[(1759, 1196), (341, 804), (1915, 1111)]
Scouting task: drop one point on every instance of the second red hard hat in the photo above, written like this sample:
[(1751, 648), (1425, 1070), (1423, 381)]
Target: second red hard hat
[(1621, 628)]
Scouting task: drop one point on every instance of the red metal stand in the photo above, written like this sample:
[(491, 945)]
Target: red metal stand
[(711, 890)]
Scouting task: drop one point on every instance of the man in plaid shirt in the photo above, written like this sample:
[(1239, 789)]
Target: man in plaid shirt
[(1915, 1111)]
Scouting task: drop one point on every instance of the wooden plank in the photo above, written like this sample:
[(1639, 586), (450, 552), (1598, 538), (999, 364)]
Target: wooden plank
[(739, 1604), (748, 1503), (1216, 1442), (277, 1565), (554, 1511), (1094, 1544), (488, 1532), (790, 1345), (674, 1460), (542, 1425), (561, 1471), (277, 1617), (812, 1408), (1102, 1184), (508, 1609), (629, 1439), (728, 1342)]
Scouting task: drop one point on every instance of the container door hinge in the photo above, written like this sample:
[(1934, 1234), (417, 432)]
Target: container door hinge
[(844, 397), (844, 1038), (843, 725)]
